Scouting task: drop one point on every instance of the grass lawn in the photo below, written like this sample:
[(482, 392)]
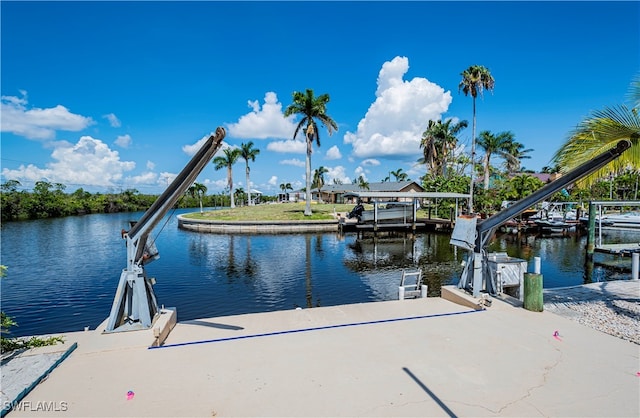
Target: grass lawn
[(275, 212), (282, 212)]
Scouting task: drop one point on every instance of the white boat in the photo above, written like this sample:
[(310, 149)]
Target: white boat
[(623, 220), (391, 212), (553, 226)]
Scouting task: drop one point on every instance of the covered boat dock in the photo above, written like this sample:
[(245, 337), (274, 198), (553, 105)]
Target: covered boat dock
[(403, 211)]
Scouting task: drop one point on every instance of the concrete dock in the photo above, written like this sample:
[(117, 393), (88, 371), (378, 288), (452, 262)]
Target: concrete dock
[(423, 357)]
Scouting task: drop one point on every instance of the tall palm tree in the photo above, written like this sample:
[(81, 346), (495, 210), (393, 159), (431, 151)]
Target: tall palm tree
[(601, 131), (439, 142), (227, 160), (311, 108), (247, 152), (197, 189), (318, 179), (475, 80), (399, 175), (493, 144)]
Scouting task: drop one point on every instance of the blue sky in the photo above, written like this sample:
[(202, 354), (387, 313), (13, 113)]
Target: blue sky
[(115, 95)]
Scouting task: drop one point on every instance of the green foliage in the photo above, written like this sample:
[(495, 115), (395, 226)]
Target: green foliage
[(49, 200)]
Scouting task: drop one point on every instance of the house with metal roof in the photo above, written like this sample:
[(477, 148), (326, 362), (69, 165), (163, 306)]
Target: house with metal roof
[(334, 193)]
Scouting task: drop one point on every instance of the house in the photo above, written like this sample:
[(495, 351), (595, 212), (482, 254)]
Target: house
[(334, 193)]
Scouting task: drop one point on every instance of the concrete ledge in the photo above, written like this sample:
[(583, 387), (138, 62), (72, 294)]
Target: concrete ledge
[(256, 227), (460, 297), (163, 325)]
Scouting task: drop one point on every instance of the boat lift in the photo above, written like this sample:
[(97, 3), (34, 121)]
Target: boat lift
[(474, 235), (134, 305)]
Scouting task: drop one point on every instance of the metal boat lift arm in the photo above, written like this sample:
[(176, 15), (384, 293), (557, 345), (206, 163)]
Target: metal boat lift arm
[(489, 224), (486, 228), (139, 233), (134, 305)]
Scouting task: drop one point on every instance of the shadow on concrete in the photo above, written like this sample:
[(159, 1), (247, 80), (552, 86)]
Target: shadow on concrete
[(212, 325), (424, 387)]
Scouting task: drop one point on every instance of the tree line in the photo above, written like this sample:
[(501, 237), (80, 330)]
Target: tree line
[(49, 200)]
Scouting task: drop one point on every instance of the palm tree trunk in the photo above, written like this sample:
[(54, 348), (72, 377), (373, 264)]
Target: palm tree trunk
[(248, 186), (307, 207), (230, 181), (487, 158), (473, 156)]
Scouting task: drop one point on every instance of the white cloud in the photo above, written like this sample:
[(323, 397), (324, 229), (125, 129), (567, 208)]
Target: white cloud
[(150, 165), (273, 181), (165, 178), (294, 162), (191, 150), (339, 173), (416, 171), (113, 120), (333, 153), (145, 178), (123, 141), (38, 123), (370, 162), (393, 125), (88, 162), (268, 122), (361, 172), (290, 146), (215, 185)]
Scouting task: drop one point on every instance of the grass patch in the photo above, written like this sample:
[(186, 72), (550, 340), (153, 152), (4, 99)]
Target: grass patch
[(275, 212)]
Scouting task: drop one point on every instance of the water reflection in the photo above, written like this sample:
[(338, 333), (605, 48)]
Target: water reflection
[(63, 273)]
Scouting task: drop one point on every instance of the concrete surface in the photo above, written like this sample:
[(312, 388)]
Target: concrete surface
[(422, 357)]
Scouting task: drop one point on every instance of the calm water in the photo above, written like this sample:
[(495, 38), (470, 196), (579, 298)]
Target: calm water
[(63, 273)]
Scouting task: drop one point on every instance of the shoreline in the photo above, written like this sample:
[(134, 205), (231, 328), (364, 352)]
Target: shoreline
[(256, 227)]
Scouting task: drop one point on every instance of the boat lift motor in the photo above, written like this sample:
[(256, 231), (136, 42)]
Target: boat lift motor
[(475, 275), (134, 305)]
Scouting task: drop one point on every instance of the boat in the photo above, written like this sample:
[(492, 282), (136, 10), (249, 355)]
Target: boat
[(391, 212), (600, 223), (622, 220), (553, 226)]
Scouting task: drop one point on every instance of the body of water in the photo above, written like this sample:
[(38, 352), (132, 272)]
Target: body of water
[(63, 273)]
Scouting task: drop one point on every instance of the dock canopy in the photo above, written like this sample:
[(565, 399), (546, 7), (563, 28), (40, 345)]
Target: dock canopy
[(408, 195)]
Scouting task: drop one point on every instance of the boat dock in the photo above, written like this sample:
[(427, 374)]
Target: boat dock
[(618, 249), (417, 357)]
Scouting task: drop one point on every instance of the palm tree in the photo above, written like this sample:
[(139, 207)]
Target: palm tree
[(523, 185), (439, 142), (239, 194), (284, 187), (310, 108), (475, 80), (600, 132), (493, 144), (513, 155), (318, 180), (399, 175), (230, 157), (362, 183), (247, 152), (197, 189)]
